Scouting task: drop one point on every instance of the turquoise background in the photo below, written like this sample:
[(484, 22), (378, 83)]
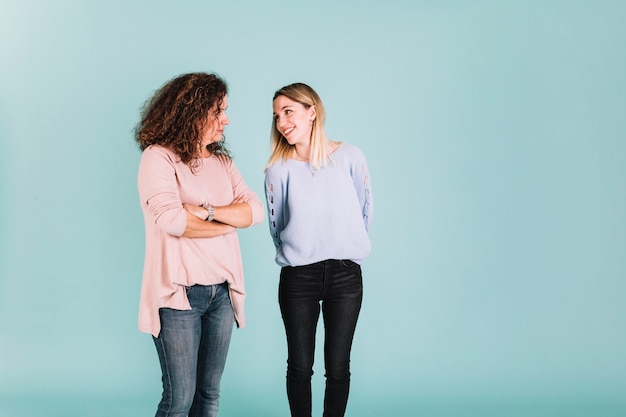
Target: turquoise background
[(495, 134)]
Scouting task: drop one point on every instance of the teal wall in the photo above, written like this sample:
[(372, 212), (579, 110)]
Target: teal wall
[(496, 137)]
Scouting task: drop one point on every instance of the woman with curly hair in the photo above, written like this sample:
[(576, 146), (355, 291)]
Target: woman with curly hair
[(193, 200), (320, 207)]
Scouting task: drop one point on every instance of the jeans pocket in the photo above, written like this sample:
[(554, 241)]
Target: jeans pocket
[(347, 263)]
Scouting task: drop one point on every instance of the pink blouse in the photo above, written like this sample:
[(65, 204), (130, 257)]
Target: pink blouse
[(173, 262)]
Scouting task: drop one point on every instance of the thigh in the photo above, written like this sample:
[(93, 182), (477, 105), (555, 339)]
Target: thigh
[(218, 322), (217, 327), (177, 346), (341, 308), (299, 295)]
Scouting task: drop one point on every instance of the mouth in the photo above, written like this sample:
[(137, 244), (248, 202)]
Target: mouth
[(288, 131)]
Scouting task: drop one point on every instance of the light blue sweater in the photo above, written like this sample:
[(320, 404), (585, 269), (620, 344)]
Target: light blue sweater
[(321, 214)]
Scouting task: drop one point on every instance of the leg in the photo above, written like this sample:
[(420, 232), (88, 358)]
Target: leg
[(177, 347), (341, 307), (299, 293), (217, 328)]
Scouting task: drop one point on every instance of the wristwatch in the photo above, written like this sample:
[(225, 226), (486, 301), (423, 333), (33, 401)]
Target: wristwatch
[(211, 211)]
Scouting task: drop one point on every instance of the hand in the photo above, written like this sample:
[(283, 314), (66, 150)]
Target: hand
[(198, 211)]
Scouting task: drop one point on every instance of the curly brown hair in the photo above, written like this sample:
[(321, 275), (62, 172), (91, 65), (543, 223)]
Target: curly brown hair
[(175, 116)]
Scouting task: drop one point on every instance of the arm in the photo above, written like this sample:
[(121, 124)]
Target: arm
[(159, 193), (196, 227), (238, 214), (274, 197), (244, 210), (362, 185)]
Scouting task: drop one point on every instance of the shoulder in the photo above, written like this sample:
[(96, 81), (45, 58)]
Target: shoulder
[(277, 169), (159, 152), (350, 152), (157, 162), (223, 160)]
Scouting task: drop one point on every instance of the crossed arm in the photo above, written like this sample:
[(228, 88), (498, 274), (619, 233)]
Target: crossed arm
[(226, 219), (160, 193)]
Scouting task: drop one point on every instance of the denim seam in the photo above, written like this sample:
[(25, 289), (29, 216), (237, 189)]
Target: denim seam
[(169, 378)]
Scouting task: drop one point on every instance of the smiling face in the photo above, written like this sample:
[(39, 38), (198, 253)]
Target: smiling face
[(293, 120), (215, 124)]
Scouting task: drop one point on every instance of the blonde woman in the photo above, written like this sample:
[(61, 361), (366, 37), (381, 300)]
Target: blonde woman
[(320, 208)]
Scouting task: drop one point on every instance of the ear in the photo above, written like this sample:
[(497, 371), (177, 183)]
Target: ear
[(312, 113)]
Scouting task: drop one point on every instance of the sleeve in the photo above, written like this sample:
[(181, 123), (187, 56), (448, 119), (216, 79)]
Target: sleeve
[(159, 193), (362, 184), (274, 195), (240, 188)]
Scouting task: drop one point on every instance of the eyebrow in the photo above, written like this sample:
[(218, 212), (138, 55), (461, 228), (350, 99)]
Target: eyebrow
[(281, 109)]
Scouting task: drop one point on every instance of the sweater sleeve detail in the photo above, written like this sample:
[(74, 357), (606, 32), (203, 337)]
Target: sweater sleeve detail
[(273, 196), (361, 179)]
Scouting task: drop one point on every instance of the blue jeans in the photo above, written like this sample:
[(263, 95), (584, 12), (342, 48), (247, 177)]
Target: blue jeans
[(192, 348), (338, 285)]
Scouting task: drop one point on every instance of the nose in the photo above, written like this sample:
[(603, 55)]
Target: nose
[(280, 124), (225, 119)]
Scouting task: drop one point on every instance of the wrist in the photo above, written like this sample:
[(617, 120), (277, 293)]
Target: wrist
[(210, 212)]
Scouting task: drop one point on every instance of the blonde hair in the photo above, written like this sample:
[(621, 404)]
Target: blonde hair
[(281, 149)]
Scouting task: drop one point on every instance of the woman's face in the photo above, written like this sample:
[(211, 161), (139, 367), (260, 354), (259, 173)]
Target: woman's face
[(293, 120), (216, 121)]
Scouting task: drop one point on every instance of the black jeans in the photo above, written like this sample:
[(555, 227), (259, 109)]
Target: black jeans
[(338, 285)]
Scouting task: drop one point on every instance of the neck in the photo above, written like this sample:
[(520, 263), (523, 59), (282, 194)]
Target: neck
[(302, 153), (204, 152)]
